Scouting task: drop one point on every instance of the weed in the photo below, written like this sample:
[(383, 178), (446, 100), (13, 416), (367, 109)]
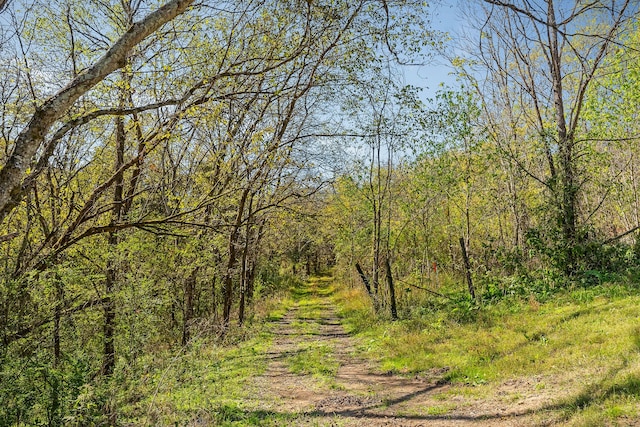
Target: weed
[(439, 410)]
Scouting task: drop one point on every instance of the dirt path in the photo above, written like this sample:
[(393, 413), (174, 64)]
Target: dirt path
[(314, 377)]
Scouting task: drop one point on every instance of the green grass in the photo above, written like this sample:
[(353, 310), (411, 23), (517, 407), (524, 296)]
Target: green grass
[(586, 339), (583, 345), (199, 383), (439, 410), (234, 415), (315, 359), (204, 381), (212, 383)]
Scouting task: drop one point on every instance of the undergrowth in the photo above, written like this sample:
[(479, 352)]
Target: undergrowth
[(204, 382)]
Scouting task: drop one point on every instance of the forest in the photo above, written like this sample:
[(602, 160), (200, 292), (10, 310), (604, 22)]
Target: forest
[(171, 170)]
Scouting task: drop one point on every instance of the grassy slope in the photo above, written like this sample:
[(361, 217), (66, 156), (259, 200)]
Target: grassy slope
[(207, 383), (210, 383), (584, 343)]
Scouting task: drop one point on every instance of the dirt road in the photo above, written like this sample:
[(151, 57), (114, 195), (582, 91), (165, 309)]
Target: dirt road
[(314, 377)]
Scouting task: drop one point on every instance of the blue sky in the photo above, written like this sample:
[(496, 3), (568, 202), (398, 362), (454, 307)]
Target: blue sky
[(445, 17)]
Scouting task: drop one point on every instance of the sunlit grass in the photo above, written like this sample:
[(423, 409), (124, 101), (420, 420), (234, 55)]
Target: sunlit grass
[(315, 359), (196, 383), (582, 345), (572, 338), (206, 380), (213, 383)]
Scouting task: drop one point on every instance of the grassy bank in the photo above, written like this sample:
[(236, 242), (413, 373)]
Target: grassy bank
[(581, 349), (208, 382)]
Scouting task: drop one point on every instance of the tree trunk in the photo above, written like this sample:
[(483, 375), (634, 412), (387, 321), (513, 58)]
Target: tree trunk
[(251, 277), (55, 415), (375, 275), (241, 305), (109, 306), (109, 353), (57, 319), (189, 291), (254, 262), (467, 267), (214, 298), (243, 279), (364, 279), (392, 291), (232, 261), (244, 286), (568, 190)]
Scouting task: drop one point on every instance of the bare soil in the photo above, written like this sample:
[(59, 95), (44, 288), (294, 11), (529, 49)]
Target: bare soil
[(361, 395)]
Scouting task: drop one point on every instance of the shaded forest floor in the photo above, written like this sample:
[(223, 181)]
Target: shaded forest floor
[(304, 369)]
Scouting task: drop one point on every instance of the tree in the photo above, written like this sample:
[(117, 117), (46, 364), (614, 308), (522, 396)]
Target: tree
[(541, 58), (141, 200), (611, 124), (31, 138)]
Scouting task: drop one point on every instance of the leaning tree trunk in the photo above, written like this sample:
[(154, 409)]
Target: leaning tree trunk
[(392, 291), (467, 268)]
